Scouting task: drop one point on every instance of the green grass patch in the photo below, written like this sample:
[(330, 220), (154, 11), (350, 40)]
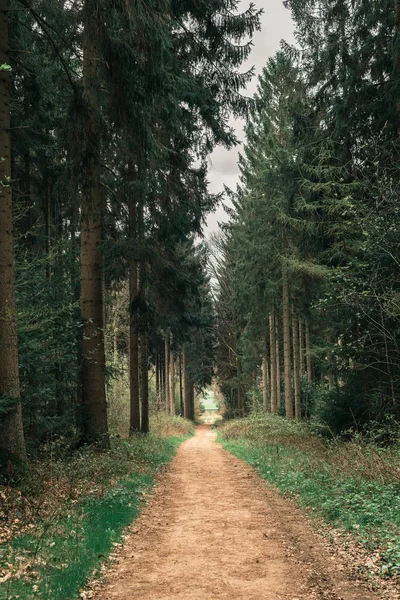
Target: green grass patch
[(68, 546), (350, 494)]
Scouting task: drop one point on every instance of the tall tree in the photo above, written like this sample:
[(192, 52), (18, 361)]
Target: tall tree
[(11, 429), (94, 404)]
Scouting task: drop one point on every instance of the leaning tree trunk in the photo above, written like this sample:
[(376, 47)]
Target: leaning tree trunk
[(296, 366), (272, 343), (287, 364), (12, 442), (94, 404)]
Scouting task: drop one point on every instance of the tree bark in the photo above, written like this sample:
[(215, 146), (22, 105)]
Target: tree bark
[(272, 344), (308, 355), (180, 385), (94, 404), (191, 394), (301, 349), (264, 374), (134, 425), (278, 366), (12, 442), (171, 384), (144, 383), (287, 364), (186, 385), (296, 366), (167, 376), (158, 382)]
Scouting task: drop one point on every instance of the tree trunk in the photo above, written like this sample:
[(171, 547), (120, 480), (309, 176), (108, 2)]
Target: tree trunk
[(12, 442), (144, 383), (94, 405), (264, 373), (157, 381), (308, 355), (287, 364), (278, 366), (186, 391), (388, 365), (301, 349), (180, 385), (134, 425), (171, 384), (167, 377), (296, 365), (47, 221), (397, 55), (272, 344)]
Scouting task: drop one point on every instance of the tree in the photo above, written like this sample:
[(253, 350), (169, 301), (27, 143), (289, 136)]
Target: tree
[(11, 430)]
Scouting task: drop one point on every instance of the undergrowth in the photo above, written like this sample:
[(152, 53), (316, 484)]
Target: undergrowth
[(69, 512), (353, 485)]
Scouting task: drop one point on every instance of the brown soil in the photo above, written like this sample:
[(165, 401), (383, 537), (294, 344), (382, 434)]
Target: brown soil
[(214, 530)]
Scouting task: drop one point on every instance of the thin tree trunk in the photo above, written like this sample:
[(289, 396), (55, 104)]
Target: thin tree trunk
[(11, 431), (180, 385), (296, 365), (388, 365), (163, 380), (186, 392), (272, 344), (191, 396), (264, 373), (397, 55), (115, 340), (134, 425), (144, 383), (158, 387), (167, 376), (301, 349), (308, 355), (287, 364), (171, 384), (47, 220), (94, 405), (278, 366)]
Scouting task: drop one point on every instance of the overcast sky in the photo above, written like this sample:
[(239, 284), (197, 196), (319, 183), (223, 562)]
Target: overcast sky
[(276, 26)]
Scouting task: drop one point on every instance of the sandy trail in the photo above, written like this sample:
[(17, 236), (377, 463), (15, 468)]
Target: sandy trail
[(214, 530)]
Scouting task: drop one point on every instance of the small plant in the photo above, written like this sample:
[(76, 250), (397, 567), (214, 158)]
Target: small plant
[(353, 485), (69, 511)]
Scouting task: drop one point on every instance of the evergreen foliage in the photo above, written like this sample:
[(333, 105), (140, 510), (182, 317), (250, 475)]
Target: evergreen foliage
[(316, 210), (114, 111)]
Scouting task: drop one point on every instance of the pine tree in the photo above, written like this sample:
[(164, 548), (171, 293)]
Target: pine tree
[(11, 430)]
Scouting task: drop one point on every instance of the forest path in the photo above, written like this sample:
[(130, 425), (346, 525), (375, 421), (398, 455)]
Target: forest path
[(214, 530)]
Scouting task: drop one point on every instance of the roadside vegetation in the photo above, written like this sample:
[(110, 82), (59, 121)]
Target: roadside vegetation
[(353, 485), (60, 521)]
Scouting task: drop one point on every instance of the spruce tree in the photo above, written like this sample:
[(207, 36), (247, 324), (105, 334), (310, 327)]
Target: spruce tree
[(11, 429)]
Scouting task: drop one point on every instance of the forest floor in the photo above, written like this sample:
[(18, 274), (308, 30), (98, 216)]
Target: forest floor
[(213, 529)]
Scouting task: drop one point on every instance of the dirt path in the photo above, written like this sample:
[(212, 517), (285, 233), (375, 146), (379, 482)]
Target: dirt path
[(214, 530)]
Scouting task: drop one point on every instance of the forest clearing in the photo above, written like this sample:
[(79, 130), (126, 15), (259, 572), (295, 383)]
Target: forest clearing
[(200, 299)]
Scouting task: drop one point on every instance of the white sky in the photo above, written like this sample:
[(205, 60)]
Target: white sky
[(276, 25)]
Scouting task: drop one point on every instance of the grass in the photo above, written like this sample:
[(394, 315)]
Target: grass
[(95, 497), (353, 486)]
